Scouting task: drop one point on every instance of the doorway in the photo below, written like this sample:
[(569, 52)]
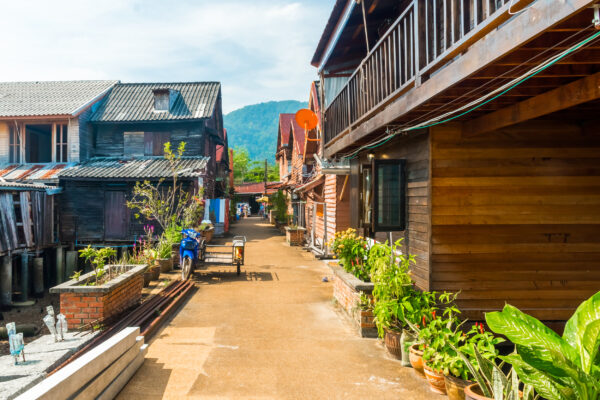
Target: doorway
[(115, 215), (38, 140)]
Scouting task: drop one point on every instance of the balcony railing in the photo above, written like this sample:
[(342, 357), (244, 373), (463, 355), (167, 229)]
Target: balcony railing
[(426, 35)]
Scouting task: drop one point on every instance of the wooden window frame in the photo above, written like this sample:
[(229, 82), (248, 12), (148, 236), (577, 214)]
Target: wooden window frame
[(14, 144), (59, 132), (377, 227)]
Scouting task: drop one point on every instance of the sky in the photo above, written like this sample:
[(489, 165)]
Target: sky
[(260, 50)]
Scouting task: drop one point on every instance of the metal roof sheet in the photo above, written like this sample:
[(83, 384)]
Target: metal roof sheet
[(135, 168), (11, 186), (32, 172), (133, 102), (22, 99), (256, 188)]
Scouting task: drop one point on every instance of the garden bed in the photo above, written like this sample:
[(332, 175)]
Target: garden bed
[(346, 291), (83, 304)]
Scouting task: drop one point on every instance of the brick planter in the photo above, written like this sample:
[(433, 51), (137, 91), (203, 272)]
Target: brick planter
[(294, 236), (85, 304), (346, 291)]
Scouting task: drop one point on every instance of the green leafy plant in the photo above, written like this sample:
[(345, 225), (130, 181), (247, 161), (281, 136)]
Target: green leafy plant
[(279, 204), (352, 250), (98, 258), (171, 204), (493, 382), (206, 226), (164, 248), (76, 275), (559, 368)]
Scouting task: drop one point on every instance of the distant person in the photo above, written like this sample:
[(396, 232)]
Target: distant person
[(261, 210)]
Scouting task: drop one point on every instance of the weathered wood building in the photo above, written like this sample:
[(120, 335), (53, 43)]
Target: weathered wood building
[(472, 132), (325, 195), (130, 129), (93, 206)]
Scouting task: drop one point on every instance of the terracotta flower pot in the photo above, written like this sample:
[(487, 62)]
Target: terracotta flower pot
[(472, 392), (175, 254), (416, 360), (455, 387), (155, 269), (436, 380), (392, 343), (166, 264)]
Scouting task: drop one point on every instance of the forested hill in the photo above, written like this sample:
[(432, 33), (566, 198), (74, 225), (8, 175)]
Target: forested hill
[(255, 127)]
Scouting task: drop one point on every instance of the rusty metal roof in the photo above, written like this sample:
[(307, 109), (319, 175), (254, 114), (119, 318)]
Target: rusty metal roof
[(24, 99), (112, 168), (32, 172), (16, 186), (256, 187), (134, 102)]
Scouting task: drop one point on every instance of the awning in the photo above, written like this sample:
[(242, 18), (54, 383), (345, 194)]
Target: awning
[(314, 183)]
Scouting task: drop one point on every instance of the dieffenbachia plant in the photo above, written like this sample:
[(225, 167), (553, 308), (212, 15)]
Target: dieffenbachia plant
[(559, 368)]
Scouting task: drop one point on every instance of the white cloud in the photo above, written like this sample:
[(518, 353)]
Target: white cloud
[(260, 50)]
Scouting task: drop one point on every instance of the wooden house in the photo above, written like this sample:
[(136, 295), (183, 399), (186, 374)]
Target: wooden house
[(324, 196), (130, 129), (472, 133), (283, 156)]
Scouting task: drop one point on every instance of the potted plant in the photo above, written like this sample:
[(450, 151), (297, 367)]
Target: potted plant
[(207, 230), (558, 367), (164, 250), (294, 235)]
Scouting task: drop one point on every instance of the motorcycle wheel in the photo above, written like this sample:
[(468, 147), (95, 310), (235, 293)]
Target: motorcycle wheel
[(186, 268)]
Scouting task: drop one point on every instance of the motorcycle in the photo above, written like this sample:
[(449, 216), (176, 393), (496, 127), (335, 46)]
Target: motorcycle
[(190, 250)]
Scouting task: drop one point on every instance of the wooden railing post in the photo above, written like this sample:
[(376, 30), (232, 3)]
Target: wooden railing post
[(417, 44)]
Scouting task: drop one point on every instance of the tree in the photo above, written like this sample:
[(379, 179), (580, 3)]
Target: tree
[(241, 163)]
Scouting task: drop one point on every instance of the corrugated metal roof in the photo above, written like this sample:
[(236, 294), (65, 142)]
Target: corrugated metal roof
[(32, 172), (135, 168), (284, 129), (256, 187), (130, 102), (10, 186), (22, 99)]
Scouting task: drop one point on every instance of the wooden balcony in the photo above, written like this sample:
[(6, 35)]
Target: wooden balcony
[(427, 35)]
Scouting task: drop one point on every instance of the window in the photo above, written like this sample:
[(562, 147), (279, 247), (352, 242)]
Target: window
[(367, 190), (389, 203), (60, 140), (38, 143), (154, 143), (14, 145), (161, 99)]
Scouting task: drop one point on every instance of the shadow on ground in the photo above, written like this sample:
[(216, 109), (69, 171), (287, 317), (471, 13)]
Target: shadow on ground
[(211, 277)]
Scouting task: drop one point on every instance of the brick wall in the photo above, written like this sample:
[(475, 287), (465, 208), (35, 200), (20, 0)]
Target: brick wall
[(349, 300), (295, 237), (84, 308)]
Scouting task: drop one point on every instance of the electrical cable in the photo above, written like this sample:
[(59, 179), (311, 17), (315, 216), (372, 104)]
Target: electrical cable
[(472, 106), (480, 89)]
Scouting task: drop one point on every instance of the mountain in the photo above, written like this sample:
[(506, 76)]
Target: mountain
[(255, 127)]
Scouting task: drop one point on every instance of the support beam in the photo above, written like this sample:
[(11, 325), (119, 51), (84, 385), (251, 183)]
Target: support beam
[(572, 94), (24, 277), (6, 282)]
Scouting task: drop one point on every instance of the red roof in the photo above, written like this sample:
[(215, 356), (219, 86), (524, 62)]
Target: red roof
[(256, 188), (299, 136), (284, 129)]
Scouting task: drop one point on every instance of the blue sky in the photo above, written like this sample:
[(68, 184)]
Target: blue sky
[(259, 50)]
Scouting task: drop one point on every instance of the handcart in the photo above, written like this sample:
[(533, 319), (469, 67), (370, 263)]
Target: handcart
[(229, 254)]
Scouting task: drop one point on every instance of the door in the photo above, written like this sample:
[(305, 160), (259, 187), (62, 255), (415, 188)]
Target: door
[(115, 215)]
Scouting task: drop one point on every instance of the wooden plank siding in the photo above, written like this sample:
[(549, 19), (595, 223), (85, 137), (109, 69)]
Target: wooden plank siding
[(415, 149), (516, 216)]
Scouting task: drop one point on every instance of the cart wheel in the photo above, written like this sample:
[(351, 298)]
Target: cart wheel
[(186, 268), (239, 269)]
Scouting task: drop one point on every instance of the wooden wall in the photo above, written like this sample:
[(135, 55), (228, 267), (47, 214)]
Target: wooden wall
[(516, 216), (415, 149), (110, 143)]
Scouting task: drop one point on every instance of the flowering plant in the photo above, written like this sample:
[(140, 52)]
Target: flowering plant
[(352, 250)]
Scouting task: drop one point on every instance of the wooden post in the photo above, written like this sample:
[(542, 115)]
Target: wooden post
[(60, 265), (6, 282), (324, 228), (38, 276), (70, 263), (24, 277)]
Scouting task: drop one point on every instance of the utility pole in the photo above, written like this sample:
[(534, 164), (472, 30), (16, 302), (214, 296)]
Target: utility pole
[(266, 175)]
